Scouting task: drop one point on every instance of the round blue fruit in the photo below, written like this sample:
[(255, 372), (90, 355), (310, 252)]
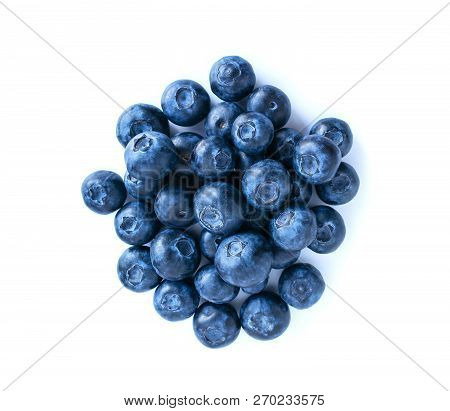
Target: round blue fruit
[(330, 230), (220, 119), (336, 130), (211, 287), (301, 190), (145, 189), (252, 133), (174, 206), (282, 147), (255, 289), (283, 258), (184, 144), (209, 243)]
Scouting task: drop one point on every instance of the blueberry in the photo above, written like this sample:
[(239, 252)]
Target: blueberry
[(211, 287), (342, 188), (140, 118), (175, 254), (336, 130), (266, 185), (141, 189), (174, 206), (232, 78), (316, 159), (252, 133), (294, 228), (271, 102), (185, 102), (103, 192), (175, 300), (218, 208), (330, 230), (282, 147), (213, 158), (184, 144), (244, 161), (255, 289), (265, 316), (135, 223), (209, 243), (216, 325), (301, 191), (220, 119), (244, 259), (136, 271), (150, 156), (283, 258), (301, 285)]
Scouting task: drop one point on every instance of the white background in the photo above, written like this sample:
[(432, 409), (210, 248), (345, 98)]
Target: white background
[(58, 259)]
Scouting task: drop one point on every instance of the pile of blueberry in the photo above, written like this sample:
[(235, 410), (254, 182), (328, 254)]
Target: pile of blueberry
[(247, 182)]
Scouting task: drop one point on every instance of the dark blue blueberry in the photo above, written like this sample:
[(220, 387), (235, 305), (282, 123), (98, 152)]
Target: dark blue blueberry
[(336, 130), (135, 224), (216, 325), (283, 258), (301, 191), (256, 288), (301, 285), (211, 287), (244, 259), (342, 188), (220, 119), (316, 159), (244, 161), (184, 144), (265, 316), (174, 206), (271, 102), (294, 228), (175, 300), (232, 78), (209, 243), (330, 230), (266, 185), (257, 219), (175, 254), (103, 192), (150, 156), (252, 133), (139, 118), (218, 208), (136, 271), (283, 146), (185, 102), (141, 189), (212, 158)]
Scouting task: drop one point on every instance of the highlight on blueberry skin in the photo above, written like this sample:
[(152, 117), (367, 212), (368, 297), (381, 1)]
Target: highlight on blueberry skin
[(174, 206), (330, 230), (209, 243), (232, 78), (211, 287), (252, 133), (342, 188), (136, 271), (220, 119), (273, 103), (103, 192), (185, 102), (216, 325), (336, 130), (184, 144), (265, 316), (255, 289), (301, 285), (135, 223), (175, 254), (140, 118), (282, 147), (175, 300)]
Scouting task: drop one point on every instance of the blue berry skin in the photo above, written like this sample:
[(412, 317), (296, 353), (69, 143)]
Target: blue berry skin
[(266, 185), (103, 192), (244, 161), (216, 325), (244, 259), (282, 147), (301, 191), (213, 158), (141, 189), (175, 254), (175, 300), (136, 271), (211, 287), (330, 230), (185, 102), (336, 130), (342, 188), (301, 285), (316, 159), (184, 144), (252, 133), (232, 78), (209, 243), (265, 316), (294, 228), (218, 208), (283, 258), (220, 119), (135, 224), (271, 102), (150, 156), (140, 118), (174, 206), (256, 288)]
